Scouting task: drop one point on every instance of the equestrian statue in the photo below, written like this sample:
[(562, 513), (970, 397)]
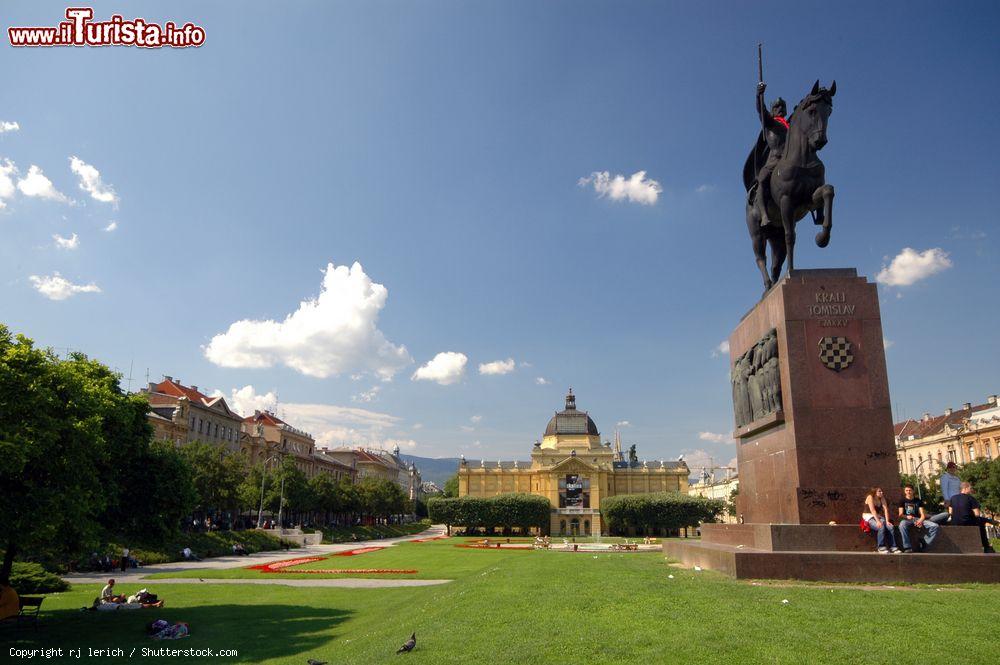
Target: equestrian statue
[(785, 179)]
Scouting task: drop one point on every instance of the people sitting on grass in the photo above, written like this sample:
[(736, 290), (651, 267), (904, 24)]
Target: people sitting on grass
[(189, 555), (239, 550), (965, 511), (912, 514), (876, 516), (108, 594), (109, 600)]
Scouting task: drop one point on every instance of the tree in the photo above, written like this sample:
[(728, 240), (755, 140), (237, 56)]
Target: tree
[(658, 511), (985, 478), (159, 494), (326, 495), (451, 487), (217, 474), (63, 423)]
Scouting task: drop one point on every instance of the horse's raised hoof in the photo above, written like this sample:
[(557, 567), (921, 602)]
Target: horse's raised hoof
[(823, 238)]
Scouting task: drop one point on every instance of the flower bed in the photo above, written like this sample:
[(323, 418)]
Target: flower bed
[(354, 571), (278, 566), (360, 550), (427, 540)]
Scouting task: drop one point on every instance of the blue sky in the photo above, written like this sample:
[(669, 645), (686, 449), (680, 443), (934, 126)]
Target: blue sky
[(440, 145)]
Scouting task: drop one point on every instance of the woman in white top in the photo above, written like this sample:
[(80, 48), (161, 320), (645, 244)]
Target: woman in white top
[(877, 516)]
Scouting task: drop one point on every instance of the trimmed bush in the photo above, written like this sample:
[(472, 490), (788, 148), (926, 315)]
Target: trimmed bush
[(375, 532), (661, 510), (29, 578), (504, 511)]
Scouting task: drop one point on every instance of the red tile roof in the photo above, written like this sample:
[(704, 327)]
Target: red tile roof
[(919, 429)]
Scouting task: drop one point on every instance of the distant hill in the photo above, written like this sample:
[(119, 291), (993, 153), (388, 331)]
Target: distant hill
[(434, 469)]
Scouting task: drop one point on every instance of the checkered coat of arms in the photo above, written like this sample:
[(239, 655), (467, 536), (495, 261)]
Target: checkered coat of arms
[(835, 353)]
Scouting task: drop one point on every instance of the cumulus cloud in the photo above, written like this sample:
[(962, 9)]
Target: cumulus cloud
[(7, 188), (704, 188), (418, 425), (636, 188), (715, 437), (66, 243), (90, 181), (326, 336), (476, 419), (467, 428), (910, 266), (111, 226), (35, 184), (722, 349), (366, 395), (886, 343), (542, 381), (57, 287), (623, 423), (446, 368), (497, 367), (6, 126), (330, 425)]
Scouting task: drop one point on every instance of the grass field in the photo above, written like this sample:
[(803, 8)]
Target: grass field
[(541, 607)]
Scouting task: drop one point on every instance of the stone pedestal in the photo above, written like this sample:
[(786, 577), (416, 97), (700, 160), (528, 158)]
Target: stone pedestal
[(814, 434), (813, 460)]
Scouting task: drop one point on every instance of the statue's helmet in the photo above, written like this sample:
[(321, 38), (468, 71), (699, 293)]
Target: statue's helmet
[(778, 107)]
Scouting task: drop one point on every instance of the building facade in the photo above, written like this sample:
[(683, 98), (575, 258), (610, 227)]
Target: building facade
[(266, 436), (722, 490), (961, 436), (183, 414), (573, 470)]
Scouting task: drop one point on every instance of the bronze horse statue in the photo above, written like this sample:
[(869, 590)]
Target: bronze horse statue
[(797, 184)]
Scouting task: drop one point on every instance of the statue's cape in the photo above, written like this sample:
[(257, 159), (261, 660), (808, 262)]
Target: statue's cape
[(755, 161)]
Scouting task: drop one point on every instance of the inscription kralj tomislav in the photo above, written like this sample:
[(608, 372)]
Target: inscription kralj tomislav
[(756, 381)]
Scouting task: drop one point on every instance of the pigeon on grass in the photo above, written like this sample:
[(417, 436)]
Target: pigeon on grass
[(313, 661), (408, 645)]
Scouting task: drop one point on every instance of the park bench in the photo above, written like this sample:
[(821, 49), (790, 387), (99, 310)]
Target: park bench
[(30, 606)]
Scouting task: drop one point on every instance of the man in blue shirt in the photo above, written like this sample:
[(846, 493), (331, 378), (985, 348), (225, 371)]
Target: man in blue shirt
[(950, 486)]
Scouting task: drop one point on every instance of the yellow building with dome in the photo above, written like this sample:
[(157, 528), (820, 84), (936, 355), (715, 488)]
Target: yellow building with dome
[(573, 470)]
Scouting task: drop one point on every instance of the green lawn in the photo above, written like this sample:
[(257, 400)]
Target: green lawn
[(540, 607)]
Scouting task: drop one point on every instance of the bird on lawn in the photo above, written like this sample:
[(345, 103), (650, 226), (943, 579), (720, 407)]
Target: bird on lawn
[(408, 645), (313, 661)]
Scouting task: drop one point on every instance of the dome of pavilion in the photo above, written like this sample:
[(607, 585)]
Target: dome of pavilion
[(571, 421)]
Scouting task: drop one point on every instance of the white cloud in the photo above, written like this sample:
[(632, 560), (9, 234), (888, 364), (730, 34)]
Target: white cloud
[(36, 184), (715, 437), (542, 381), (524, 363), (704, 188), (66, 243), (467, 428), (330, 425), (57, 287), (332, 334), (367, 395), (446, 368), (886, 343), (111, 227), (418, 425), (497, 367), (7, 188), (698, 459), (6, 126), (476, 419), (722, 349), (910, 266), (90, 181), (636, 188), (409, 444), (623, 423)]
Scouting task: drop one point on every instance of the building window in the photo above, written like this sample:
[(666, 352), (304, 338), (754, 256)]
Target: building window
[(972, 452), (216, 435), (200, 423), (192, 423), (987, 450), (951, 455), (899, 462)]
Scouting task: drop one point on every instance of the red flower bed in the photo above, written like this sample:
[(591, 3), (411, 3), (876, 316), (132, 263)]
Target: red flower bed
[(277, 566), (355, 571), (360, 550), (427, 540)]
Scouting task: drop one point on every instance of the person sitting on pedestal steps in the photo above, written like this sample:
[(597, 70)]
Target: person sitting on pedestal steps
[(950, 486), (877, 516), (912, 514), (965, 511)]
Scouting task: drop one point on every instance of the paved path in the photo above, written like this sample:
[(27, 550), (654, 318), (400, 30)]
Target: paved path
[(134, 575), (348, 582)]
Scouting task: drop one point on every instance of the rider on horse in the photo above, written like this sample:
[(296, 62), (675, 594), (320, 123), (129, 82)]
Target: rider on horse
[(771, 145)]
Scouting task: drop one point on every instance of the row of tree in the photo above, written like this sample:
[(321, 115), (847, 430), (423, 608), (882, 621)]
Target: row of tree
[(658, 512), (505, 512), (78, 467)]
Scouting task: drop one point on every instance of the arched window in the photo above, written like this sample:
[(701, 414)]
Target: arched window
[(586, 527)]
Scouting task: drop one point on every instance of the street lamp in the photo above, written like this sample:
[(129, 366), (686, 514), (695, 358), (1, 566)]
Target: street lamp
[(916, 472), (263, 476)]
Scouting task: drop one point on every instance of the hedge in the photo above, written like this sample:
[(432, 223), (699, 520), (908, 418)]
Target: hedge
[(661, 510), (504, 511), (28, 577)]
